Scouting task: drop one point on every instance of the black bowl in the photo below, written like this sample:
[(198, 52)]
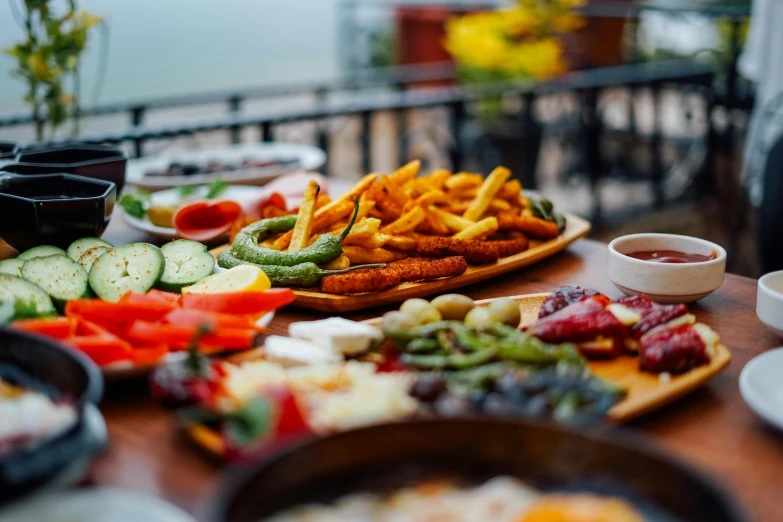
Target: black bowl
[(8, 149), (53, 209), (91, 161), (41, 364), (546, 456)]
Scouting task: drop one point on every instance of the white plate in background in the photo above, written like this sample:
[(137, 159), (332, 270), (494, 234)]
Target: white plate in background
[(762, 387), (307, 156)]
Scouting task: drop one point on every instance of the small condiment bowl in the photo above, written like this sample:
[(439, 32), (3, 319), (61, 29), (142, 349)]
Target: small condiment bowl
[(665, 282), (769, 301)]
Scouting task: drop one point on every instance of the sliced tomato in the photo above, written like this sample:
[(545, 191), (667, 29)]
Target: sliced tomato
[(252, 302), (149, 354), (100, 311), (194, 318), (205, 220), (103, 349), (178, 337), (55, 327), (277, 200)]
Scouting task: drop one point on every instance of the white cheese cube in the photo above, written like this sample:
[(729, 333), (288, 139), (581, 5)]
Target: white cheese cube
[(336, 334), (287, 351)]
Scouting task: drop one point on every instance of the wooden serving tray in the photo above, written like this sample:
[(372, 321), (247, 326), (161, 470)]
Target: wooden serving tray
[(646, 391), (576, 228)]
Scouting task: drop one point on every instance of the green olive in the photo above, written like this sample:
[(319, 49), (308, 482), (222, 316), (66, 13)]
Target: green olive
[(453, 307), (506, 311), (480, 316), (398, 322), (422, 310)]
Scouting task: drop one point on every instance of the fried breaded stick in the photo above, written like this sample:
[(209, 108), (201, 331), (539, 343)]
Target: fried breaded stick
[(424, 269), (361, 281), (474, 252), (509, 247)]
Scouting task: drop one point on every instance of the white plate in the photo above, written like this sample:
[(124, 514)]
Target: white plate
[(242, 194), (128, 370), (762, 387), (307, 156), (94, 505)]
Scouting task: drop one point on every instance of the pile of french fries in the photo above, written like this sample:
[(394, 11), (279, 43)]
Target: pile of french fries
[(399, 209)]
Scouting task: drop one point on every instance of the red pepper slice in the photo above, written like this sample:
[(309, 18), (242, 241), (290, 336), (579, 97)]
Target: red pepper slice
[(103, 348), (149, 354), (101, 312), (240, 302), (194, 318), (180, 337), (152, 297), (55, 327)]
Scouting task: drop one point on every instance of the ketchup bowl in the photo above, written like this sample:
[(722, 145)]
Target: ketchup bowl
[(671, 268)]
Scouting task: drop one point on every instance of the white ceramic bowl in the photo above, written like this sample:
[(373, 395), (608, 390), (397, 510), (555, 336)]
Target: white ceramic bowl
[(761, 386), (665, 282), (769, 301)]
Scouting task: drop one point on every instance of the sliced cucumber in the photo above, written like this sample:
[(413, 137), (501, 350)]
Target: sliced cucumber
[(12, 267), (29, 300), (81, 246), (60, 276), (187, 262), (91, 256), (41, 251), (128, 268)]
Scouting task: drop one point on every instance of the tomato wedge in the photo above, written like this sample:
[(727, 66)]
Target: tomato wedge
[(55, 327), (205, 220), (178, 337), (120, 312), (252, 302)]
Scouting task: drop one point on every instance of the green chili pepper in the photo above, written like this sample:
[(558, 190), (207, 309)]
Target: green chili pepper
[(303, 275), (325, 249), (431, 329), (456, 361), (471, 341), (422, 345), (446, 341)]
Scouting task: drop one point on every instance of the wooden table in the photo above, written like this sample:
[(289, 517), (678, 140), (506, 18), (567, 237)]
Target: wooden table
[(712, 428)]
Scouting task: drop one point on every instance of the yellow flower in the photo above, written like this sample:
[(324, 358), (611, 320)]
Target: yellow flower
[(517, 22), (538, 59), (476, 40), (39, 68), (567, 22)]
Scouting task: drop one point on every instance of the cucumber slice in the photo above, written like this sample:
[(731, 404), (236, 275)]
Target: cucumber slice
[(41, 251), (128, 268), (79, 247), (12, 267), (187, 262), (60, 276), (29, 300), (91, 256)]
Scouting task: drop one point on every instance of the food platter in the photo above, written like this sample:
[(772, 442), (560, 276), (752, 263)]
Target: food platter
[(305, 157), (646, 391), (576, 228)]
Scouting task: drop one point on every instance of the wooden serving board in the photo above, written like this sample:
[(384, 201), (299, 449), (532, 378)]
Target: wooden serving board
[(646, 391), (576, 227)]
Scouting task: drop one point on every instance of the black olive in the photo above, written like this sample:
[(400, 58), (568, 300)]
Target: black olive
[(428, 387)]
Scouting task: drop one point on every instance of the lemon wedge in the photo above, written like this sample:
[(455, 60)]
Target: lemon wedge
[(242, 278)]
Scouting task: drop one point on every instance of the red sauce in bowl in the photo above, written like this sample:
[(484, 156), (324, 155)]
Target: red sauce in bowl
[(671, 256)]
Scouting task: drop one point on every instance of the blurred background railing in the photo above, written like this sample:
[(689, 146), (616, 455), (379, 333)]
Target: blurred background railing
[(644, 133)]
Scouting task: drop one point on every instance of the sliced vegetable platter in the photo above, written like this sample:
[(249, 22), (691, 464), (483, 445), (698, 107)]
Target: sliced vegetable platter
[(131, 307)]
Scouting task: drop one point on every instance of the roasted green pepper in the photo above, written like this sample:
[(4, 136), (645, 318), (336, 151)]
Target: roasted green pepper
[(303, 275), (325, 249)]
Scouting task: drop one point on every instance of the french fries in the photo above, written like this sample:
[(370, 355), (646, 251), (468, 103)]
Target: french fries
[(304, 222), (452, 221), (487, 191), (406, 222), (405, 173), (341, 263), (365, 256), (478, 230)]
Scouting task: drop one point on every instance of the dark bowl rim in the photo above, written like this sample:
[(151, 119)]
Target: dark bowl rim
[(110, 186), (214, 507), (120, 154), (95, 384)]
